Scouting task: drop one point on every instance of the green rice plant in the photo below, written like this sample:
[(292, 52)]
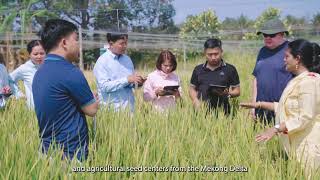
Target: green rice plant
[(179, 144)]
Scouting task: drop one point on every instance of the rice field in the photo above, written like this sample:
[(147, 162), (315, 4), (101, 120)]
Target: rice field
[(180, 144)]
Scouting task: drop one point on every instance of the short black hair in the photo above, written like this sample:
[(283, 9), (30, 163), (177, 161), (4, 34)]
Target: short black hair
[(113, 37), (166, 55), (32, 44), (213, 43), (54, 30)]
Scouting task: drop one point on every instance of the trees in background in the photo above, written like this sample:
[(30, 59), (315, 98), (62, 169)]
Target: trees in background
[(200, 26), (23, 16), (134, 15), (241, 22), (266, 15), (298, 27), (235, 28), (295, 21), (147, 16), (316, 23), (154, 16)]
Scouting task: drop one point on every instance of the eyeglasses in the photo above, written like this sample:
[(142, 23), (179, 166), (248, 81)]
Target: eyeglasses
[(269, 35)]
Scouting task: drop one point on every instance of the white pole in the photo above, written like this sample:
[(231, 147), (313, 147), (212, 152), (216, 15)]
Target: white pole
[(118, 20)]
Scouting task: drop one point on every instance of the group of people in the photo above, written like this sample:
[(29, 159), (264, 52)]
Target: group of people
[(116, 77), (285, 87)]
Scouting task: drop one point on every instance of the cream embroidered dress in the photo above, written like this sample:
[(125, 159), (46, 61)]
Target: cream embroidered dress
[(299, 108)]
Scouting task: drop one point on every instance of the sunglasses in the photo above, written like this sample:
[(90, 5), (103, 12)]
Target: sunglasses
[(269, 35)]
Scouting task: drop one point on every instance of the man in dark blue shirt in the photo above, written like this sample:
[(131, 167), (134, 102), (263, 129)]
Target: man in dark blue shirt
[(62, 96), (270, 73)]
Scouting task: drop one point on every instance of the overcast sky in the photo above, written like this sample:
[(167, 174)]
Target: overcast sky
[(250, 8)]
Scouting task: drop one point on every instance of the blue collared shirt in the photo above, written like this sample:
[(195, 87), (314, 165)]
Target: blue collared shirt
[(61, 90), (111, 72), (26, 72)]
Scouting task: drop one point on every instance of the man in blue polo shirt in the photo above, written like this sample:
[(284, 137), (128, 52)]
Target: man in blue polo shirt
[(62, 96), (270, 75)]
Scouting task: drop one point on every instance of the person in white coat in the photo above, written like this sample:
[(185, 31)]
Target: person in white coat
[(26, 71)]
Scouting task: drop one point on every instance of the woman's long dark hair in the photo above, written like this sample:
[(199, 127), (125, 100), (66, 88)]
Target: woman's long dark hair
[(309, 53)]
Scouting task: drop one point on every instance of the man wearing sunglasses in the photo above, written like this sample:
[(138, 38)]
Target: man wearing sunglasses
[(270, 75)]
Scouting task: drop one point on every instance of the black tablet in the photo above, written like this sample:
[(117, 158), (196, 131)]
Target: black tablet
[(216, 90), (170, 88), (217, 87)]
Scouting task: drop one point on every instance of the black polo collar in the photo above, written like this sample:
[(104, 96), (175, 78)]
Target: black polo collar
[(204, 66)]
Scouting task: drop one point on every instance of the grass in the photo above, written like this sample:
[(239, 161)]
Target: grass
[(180, 140)]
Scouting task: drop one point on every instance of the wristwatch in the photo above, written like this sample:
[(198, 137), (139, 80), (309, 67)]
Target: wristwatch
[(277, 127)]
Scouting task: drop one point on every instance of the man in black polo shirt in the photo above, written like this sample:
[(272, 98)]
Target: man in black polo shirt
[(214, 72)]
